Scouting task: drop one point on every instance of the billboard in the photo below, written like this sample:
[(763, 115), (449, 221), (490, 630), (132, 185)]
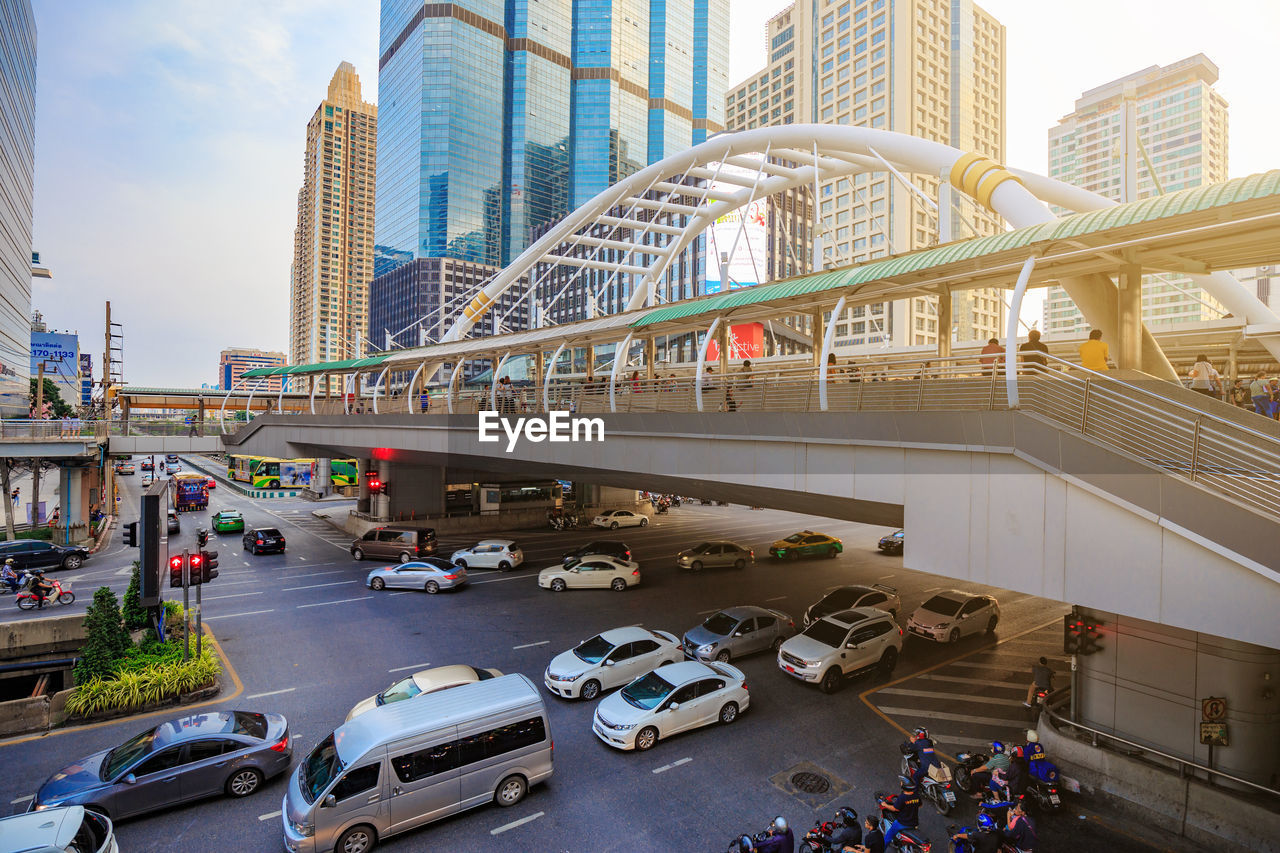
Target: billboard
[(86, 378), (738, 242), (61, 357)]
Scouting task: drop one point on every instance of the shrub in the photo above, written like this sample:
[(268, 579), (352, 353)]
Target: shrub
[(106, 639), (151, 672), (135, 616)]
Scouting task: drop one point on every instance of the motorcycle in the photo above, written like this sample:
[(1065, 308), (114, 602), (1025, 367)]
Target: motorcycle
[(908, 840), (661, 510), (936, 784), (966, 763), (964, 845), (817, 839), (757, 838), (60, 594)]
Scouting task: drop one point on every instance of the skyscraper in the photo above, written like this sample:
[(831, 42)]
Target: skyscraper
[(333, 242), (930, 68), (17, 179), (501, 117), (1180, 121), (233, 362)]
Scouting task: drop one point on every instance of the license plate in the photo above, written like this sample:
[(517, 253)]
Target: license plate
[(791, 669), (1055, 799), (949, 796), (598, 730)]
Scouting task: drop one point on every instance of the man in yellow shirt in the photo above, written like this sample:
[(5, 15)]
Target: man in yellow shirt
[(1093, 352)]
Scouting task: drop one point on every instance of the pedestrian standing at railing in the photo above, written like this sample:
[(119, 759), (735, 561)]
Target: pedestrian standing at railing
[(744, 375), (1093, 352), (1034, 353), (1204, 379), (1260, 393), (991, 356), (635, 382), (1274, 387)]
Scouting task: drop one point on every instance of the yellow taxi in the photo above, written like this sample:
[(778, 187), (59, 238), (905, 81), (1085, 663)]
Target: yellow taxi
[(806, 543)]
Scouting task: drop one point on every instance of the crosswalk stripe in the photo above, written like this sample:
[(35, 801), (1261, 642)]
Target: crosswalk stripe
[(929, 694), (1005, 722), (986, 682)]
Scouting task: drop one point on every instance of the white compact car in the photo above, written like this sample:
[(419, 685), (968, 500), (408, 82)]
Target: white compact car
[(608, 660), (501, 554), (597, 572), (615, 518), (671, 699)]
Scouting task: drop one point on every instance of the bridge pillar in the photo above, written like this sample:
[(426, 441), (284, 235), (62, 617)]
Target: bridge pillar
[(380, 504), (944, 323), (322, 480), (1129, 318), (819, 332), (363, 467), (416, 491)]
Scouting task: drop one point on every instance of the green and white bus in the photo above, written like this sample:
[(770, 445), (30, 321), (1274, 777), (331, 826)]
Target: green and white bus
[(265, 472)]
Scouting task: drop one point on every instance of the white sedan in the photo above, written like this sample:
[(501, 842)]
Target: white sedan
[(501, 554), (429, 575), (615, 518), (421, 683), (595, 572), (609, 660), (671, 699)]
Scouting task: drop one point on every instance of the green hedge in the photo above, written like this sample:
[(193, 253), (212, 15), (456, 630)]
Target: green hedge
[(149, 672), (45, 533)]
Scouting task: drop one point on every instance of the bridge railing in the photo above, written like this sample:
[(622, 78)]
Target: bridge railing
[(71, 429)]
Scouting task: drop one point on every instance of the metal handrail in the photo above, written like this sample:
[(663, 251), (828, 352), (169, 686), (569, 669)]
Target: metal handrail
[(1183, 764)]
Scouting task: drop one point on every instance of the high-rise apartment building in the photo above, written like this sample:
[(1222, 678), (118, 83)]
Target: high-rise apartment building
[(930, 68), (1180, 123), (17, 180), (333, 243), (232, 363), (500, 116)]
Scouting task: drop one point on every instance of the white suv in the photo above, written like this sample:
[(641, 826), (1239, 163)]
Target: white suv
[(842, 644), (501, 554)]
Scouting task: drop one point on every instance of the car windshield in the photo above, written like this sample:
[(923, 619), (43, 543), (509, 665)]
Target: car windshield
[(126, 754), (645, 693), (721, 623), (899, 534), (701, 549), (794, 538), (246, 723), (405, 688), (268, 531), (594, 650), (942, 605), (320, 768), (827, 633), (838, 600)]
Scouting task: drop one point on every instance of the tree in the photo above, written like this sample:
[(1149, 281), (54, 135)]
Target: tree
[(134, 615), (106, 639), (52, 399)]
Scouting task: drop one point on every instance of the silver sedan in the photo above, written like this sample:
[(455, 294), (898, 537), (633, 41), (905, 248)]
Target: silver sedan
[(430, 575), (710, 555), (738, 631)]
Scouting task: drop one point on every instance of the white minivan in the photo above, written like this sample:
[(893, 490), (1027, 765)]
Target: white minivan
[(405, 764)]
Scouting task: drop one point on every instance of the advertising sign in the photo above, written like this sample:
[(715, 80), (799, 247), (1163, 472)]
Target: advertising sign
[(61, 356), (746, 340), (745, 252), (295, 473)]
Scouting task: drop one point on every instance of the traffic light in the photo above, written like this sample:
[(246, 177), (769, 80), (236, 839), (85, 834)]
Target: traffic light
[(175, 570), (202, 537), (1089, 636), (130, 534), (375, 486), (208, 566), (1072, 628), (197, 569)]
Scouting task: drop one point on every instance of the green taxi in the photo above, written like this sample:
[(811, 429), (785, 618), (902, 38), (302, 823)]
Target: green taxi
[(228, 521), (806, 543)]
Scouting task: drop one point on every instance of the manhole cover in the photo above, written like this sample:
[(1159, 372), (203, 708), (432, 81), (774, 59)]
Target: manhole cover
[(811, 783)]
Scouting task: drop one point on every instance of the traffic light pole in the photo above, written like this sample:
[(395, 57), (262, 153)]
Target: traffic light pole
[(1075, 674), (199, 623), (186, 603)]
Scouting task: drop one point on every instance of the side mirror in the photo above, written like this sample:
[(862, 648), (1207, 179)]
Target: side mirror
[(674, 706), (608, 663), (329, 802), (130, 779), (737, 633), (850, 645)]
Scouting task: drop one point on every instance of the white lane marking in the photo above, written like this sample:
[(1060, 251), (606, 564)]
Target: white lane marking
[(403, 668), (127, 571), (504, 580), (339, 601), (229, 615), (235, 595), (955, 697), (705, 612), (776, 598), (272, 693), (1006, 722), (521, 822), (21, 799), (406, 592), (531, 645), (269, 815), (317, 585), (886, 577), (664, 768)]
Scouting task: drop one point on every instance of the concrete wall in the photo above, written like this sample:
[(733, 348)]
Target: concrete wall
[(37, 637)]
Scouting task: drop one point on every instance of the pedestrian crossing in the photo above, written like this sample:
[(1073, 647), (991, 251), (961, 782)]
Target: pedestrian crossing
[(968, 702), (303, 519)]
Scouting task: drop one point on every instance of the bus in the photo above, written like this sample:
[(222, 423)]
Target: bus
[(189, 491), (265, 472)]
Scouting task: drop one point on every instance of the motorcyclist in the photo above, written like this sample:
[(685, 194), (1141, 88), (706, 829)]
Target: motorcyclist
[(848, 832), (872, 839), (1018, 775), (985, 839), (40, 588), (906, 810), (985, 775), (1041, 679), (1020, 831), (780, 838), (9, 575), (1038, 760), (921, 749), (744, 845)]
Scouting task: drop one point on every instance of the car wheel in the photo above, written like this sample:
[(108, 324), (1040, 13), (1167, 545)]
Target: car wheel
[(590, 690), (888, 661), (729, 713), (831, 680), (244, 782), (504, 566), (647, 737), (723, 656), (954, 636), (67, 598), (618, 584), (405, 557), (357, 554), (98, 810), (696, 565), (739, 563), (72, 561), (831, 553), (511, 790), (378, 583), (613, 526), (557, 585), (991, 624), (644, 522), (777, 643), (432, 587), (357, 839), (793, 555)]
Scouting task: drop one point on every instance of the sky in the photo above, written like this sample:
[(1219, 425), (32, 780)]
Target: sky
[(170, 134)]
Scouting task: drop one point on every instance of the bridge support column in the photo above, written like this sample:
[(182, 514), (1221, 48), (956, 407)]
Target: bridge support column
[(380, 504), (322, 479), (1129, 319), (819, 332), (944, 324), (363, 467), (416, 491)]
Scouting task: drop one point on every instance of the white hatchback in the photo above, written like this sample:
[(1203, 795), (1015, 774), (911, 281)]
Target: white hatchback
[(615, 518), (501, 554), (671, 699), (608, 660)]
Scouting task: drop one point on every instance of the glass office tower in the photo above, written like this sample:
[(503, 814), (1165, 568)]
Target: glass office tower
[(17, 180)]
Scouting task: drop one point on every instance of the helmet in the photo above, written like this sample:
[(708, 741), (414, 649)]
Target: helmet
[(906, 783), (847, 816), (986, 822), (921, 731), (1032, 736), (1017, 750), (997, 747), (780, 823), (745, 844)]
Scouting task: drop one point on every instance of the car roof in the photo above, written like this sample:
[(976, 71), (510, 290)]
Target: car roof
[(275, 531), (505, 543), (685, 671), (958, 594), (438, 677), (854, 615), (196, 726), (433, 562), (629, 634), (45, 829), (861, 589), (742, 611)]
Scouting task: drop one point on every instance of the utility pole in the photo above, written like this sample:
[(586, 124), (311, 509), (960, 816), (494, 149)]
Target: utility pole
[(39, 412)]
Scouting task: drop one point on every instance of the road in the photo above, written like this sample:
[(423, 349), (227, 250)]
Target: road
[(309, 640)]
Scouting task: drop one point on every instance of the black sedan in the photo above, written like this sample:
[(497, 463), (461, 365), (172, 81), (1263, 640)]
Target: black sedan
[(603, 547), (263, 540), (35, 554), (892, 544), (231, 752)]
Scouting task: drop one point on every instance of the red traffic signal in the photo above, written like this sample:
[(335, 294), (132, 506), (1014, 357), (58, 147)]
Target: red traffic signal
[(375, 486), (175, 571)]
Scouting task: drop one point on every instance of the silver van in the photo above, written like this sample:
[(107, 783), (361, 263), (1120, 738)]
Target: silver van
[(405, 764)]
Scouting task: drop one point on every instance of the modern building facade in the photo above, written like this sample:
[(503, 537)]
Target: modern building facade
[(17, 180), (232, 363), (930, 68), (59, 354), (498, 117), (1180, 123), (333, 242)]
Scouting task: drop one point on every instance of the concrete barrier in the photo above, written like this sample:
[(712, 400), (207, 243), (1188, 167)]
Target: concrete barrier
[(1215, 818), (34, 637)]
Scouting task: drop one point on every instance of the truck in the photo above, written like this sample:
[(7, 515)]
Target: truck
[(190, 491)]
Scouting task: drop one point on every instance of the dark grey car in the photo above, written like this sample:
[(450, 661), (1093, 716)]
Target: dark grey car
[(203, 755), (736, 632)]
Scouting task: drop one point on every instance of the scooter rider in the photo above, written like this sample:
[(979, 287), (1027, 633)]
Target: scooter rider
[(848, 832), (986, 839), (40, 588), (921, 747), (1038, 760), (905, 808), (872, 839), (9, 576), (780, 840), (1020, 832), (985, 775)]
